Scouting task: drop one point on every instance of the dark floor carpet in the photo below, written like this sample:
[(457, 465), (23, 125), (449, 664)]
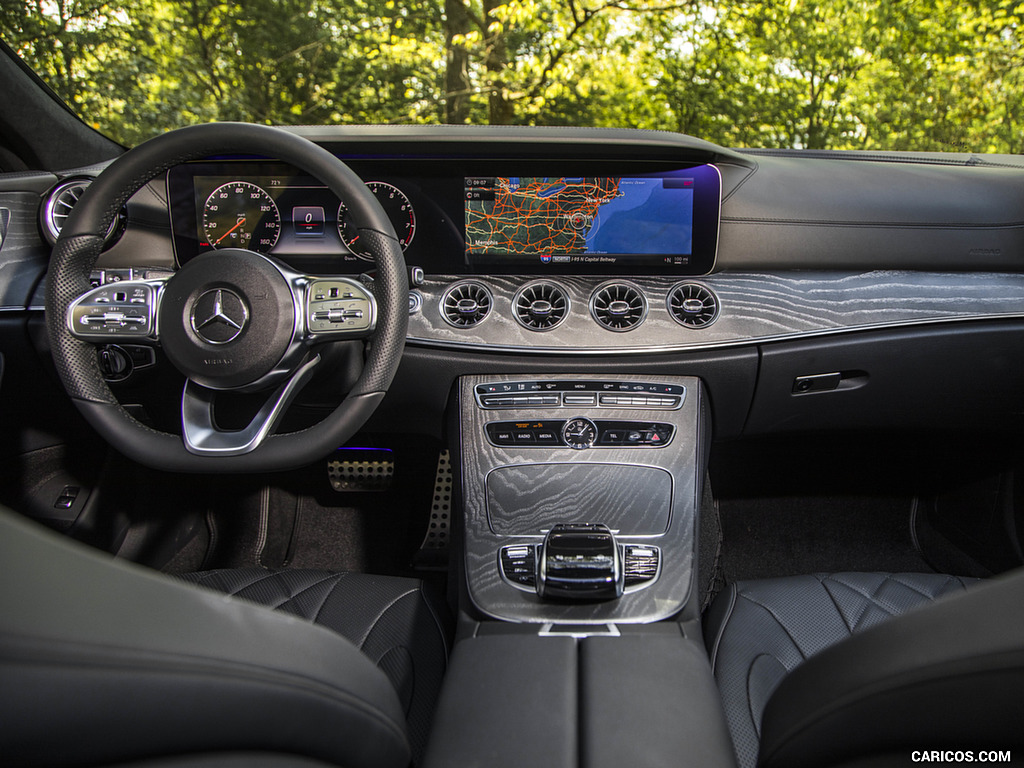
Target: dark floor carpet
[(784, 536), (368, 535), (298, 520)]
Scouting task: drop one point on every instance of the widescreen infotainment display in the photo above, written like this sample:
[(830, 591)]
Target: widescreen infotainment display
[(643, 220)]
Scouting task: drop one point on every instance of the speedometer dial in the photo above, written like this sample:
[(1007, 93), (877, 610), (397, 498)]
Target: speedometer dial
[(241, 215), (396, 205)]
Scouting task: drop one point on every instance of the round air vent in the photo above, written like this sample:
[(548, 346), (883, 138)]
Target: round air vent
[(618, 306), (59, 202), (540, 306), (692, 305), (466, 304)]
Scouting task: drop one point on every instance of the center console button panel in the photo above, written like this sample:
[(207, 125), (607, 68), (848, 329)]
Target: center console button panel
[(569, 433), (569, 393), (641, 563), (519, 565)]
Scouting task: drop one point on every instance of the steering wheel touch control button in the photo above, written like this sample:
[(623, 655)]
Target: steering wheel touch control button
[(339, 306), (115, 312)]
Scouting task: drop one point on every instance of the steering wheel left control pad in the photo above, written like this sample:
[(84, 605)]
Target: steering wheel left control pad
[(116, 312)]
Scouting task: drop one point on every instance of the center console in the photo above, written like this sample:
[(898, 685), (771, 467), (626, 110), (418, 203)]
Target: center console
[(580, 496), (580, 503)]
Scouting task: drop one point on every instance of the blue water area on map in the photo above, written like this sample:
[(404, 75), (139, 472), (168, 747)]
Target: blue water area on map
[(552, 191), (646, 218)]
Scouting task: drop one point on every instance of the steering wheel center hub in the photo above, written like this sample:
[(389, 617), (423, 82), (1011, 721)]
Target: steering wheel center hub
[(219, 316), (228, 320)]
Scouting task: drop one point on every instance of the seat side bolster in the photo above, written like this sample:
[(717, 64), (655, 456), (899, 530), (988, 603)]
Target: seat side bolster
[(716, 620), (948, 674)]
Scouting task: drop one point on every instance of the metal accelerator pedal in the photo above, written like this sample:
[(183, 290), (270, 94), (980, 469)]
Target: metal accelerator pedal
[(374, 472)]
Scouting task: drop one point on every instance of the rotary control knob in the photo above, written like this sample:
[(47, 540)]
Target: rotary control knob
[(579, 433), (115, 363)]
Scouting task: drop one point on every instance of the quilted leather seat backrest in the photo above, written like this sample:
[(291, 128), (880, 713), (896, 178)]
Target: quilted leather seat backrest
[(760, 631), (945, 676), (102, 661)]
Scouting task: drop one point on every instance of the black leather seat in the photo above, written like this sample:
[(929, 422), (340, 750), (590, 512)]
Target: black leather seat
[(103, 662), (393, 621), (835, 668)]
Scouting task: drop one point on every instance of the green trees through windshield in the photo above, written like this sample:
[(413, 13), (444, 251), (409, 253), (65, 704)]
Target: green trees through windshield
[(943, 75)]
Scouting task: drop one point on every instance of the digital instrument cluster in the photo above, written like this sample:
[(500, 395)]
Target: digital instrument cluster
[(244, 214)]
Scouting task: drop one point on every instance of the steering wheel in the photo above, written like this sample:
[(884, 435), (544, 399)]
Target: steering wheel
[(229, 320)]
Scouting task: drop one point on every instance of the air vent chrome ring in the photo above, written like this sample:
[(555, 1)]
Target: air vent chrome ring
[(58, 204), (541, 305), (618, 306), (693, 305), (466, 304)]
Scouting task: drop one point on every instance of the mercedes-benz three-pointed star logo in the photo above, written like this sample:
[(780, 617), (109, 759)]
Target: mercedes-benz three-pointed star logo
[(219, 315)]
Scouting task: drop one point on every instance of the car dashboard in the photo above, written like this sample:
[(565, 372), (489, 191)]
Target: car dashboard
[(776, 275), (551, 241), (602, 324)]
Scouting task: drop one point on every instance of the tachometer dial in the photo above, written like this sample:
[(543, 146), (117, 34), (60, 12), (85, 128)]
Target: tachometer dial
[(241, 215), (396, 205)]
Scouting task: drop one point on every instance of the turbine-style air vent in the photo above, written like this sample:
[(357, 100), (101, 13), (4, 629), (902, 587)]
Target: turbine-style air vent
[(692, 305), (541, 306), (466, 304), (618, 306), (59, 202)]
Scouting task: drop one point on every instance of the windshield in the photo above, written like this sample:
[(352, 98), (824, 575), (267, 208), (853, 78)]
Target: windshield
[(943, 75)]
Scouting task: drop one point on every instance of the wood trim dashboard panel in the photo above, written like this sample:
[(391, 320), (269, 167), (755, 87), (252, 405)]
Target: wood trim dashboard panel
[(754, 308)]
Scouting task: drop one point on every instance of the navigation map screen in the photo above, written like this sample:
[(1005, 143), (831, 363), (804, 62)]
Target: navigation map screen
[(582, 221)]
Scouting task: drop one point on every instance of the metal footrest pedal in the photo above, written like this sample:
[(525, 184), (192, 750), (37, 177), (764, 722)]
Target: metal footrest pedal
[(433, 552)]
